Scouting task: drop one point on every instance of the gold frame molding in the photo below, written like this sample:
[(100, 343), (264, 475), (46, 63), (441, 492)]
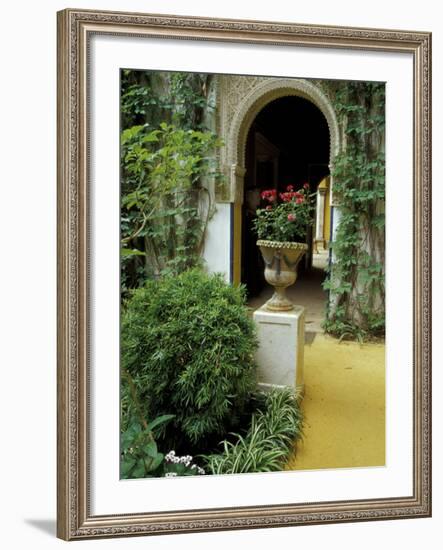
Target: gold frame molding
[(74, 520)]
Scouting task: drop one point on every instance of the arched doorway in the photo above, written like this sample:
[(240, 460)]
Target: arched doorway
[(288, 143), (245, 97)]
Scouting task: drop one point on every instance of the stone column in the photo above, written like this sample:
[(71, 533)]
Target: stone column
[(280, 356), (320, 215)]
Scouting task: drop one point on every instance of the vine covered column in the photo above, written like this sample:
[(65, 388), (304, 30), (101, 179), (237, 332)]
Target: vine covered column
[(357, 275)]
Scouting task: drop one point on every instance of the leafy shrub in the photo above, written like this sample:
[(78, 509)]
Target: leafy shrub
[(269, 440), (188, 345), (140, 457)]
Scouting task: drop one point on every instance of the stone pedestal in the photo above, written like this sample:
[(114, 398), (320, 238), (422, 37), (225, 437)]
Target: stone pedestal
[(280, 356)]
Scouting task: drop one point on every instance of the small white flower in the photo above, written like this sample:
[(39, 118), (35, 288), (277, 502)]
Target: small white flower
[(171, 474), (170, 456)]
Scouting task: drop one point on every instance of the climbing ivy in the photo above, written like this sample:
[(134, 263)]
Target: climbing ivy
[(356, 279), (168, 158)]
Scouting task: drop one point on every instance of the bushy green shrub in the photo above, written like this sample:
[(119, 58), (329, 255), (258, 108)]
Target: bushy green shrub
[(266, 446), (140, 457), (188, 344)]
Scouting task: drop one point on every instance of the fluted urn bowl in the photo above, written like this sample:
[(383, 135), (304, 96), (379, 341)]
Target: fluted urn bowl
[(281, 261)]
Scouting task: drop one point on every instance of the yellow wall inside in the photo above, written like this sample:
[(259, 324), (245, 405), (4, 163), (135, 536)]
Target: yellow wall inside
[(327, 225), (237, 236), (237, 230), (325, 184)]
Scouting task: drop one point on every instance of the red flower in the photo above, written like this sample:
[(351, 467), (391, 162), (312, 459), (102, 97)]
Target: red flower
[(269, 195), (291, 217), (306, 185), (287, 197), (300, 200), (269, 207), (290, 188)]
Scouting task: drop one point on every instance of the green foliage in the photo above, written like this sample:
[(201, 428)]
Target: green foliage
[(172, 97), (140, 457), (139, 453), (190, 99), (188, 343), (168, 159), (162, 204), (356, 279), (269, 440), (136, 100), (286, 220)]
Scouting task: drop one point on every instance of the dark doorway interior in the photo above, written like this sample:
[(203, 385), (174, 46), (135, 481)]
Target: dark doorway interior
[(288, 143)]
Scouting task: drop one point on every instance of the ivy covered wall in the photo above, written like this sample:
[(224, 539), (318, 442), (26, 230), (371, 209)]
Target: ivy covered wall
[(168, 161), (356, 278)]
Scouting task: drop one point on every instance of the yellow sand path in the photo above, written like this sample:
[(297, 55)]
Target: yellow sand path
[(344, 406)]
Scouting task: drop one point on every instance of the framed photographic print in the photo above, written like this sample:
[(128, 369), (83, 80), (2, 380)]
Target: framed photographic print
[(243, 274)]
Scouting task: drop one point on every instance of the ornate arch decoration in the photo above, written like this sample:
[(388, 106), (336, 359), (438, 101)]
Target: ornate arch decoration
[(263, 92)]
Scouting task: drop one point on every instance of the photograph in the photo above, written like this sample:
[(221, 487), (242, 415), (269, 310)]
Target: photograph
[(243, 299), (218, 221), (252, 274)]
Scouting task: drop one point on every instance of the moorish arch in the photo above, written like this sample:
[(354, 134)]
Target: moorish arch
[(243, 99)]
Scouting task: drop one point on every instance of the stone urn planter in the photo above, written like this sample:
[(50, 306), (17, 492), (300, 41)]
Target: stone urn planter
[(281, 261)]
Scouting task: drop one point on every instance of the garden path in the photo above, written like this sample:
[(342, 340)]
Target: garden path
[(344, 401), (344, 406)]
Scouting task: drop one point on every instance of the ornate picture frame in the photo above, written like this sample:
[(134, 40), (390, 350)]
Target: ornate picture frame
[(74, 517)]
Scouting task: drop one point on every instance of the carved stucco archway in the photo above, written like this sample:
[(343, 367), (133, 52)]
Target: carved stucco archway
[(241, 101)]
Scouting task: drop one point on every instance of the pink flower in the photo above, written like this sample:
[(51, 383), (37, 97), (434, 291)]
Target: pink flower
[(269, 207), (291, 217), (269, 195), (290, 188), (306, 185), (300, 200), (288, 196)]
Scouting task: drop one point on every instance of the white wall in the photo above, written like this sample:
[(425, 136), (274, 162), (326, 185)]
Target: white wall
[(28, 274), (217, 250)]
